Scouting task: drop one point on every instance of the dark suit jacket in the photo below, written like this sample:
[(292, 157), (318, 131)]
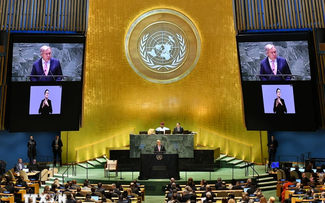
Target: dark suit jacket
[(55, 69), (162, 149), (283, 68), (280, 109), (186, 197), (275, 145), (181, 129), (60, 145), (46, 110)]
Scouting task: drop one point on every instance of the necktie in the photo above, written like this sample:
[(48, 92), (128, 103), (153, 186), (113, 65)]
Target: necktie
[(273, 68), (45, 68)]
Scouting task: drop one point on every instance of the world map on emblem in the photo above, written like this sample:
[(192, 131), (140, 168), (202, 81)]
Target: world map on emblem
[(162, 46), (162, 50)]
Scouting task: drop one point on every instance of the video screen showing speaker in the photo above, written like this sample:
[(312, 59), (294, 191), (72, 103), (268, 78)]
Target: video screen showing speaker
[(47, 58), (45, 91), (278, 81)]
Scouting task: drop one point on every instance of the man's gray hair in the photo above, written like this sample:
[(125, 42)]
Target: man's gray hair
[(44, 48), (268, 47)]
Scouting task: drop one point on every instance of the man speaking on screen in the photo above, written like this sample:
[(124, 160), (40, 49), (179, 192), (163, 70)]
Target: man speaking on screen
[(46, 68), (274, 66)]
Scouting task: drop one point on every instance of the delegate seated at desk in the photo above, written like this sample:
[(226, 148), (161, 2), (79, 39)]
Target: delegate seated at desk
[(159, 148), (178, 129), (33, 166), (162, 128)]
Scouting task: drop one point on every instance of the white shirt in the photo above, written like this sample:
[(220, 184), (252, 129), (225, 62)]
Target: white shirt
[(162, 129)]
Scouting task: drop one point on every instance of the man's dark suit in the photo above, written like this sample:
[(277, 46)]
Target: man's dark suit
[(272, 150), (57, 152), (46, 110), (282, 68), (280, 109), (180, 130), (162, 149), (54, 69)]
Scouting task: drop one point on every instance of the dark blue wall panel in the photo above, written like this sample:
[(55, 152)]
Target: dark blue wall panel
[(296, 143), (14, 146)]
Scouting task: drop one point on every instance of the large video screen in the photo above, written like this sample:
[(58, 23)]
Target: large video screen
[(292, 61), (45, 91), (278, 81), (63, 56)]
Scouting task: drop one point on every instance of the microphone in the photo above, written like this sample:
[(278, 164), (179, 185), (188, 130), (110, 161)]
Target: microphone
[(52, 74), (281, 74)]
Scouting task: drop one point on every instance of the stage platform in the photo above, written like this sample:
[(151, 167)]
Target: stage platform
[(154, 186)]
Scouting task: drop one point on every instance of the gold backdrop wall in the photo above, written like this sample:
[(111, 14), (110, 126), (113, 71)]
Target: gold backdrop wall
[(117, 101)]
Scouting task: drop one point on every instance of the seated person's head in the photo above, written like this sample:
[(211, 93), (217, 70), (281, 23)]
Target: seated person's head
[(54, 186), (66, 186), (78, 189), (88, 196), (99, 185), (85, 184), (93, 189)]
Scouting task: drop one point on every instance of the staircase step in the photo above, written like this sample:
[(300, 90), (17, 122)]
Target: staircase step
[(235, 162), (245, 164), (228, 159), (271, 187), (84, 165), (265, 179), (223, 156), (101, 160), (268, 183), (94, 163)]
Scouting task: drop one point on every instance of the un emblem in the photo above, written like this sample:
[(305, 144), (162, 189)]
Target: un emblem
[(163, 50), (162, 46)]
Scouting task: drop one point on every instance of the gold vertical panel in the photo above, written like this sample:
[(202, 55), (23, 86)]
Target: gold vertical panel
[(256, 15), (242, 15), (116, 99), (273, 15), (1, 14), (266, 14), (309, 14)]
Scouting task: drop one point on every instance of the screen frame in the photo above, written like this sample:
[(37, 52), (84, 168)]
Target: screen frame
[(251, 118), (45, 38)]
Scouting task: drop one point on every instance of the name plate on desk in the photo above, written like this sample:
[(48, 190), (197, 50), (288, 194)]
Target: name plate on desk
[(180, 144)]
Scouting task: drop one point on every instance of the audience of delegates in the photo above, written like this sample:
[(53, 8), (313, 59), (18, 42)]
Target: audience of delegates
[(93, 190), (223, 186), (110, 194), (135, 189), (88, 198), (100, 188), (70, 199), (78, 194), (219, 182), (208, 190), (191, 183), (85, 187), (204, 185), (237, 186)]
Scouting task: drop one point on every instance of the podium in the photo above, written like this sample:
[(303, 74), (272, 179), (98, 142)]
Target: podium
[(159, 166)]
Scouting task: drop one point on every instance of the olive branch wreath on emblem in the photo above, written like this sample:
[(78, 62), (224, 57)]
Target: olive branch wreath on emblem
[(145, 57)]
